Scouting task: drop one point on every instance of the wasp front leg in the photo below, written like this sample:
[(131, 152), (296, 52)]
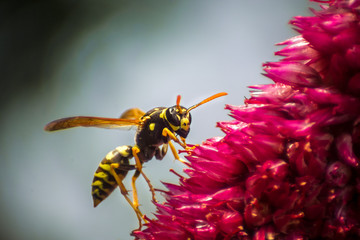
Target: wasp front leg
[(176, 155), (187, 148), (167, 133)]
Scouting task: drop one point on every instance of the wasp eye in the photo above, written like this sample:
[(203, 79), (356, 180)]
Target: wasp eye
[(172, 116)]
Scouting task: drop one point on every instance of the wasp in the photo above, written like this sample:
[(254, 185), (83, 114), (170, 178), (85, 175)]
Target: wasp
[(156, 129)]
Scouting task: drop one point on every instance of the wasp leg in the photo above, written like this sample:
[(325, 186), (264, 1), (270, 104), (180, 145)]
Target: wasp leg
[(135, 196), (174, 152), (135, 151), (183, 140), (167, 133), (187, 148), (124, 192)]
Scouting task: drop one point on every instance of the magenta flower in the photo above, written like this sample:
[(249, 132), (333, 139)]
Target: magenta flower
[(288, 167)]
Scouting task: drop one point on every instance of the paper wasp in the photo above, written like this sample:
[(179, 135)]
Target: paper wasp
[(155, 131)]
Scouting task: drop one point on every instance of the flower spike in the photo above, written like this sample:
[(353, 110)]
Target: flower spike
[(288, 166)]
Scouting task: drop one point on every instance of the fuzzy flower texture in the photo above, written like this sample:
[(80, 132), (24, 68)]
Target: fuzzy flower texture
[(289, 164)]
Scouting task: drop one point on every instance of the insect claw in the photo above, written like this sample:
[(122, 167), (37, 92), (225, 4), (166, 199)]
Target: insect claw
[(125, 193), (182, 160), (145, 218), (189, 149), (133, 232)]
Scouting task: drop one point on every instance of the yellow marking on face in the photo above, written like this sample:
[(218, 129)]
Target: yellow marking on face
[(152, 126), (122, 151), (185, 124), (174, 128)]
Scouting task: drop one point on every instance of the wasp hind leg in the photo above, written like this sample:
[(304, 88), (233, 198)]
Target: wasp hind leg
[(135, 196), (124, 192), (135, 151)]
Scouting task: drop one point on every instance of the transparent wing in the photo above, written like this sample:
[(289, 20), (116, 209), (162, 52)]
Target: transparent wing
[(86, 121)]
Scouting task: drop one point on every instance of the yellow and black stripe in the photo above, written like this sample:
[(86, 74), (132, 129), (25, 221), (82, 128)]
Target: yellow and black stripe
[(104, 182)]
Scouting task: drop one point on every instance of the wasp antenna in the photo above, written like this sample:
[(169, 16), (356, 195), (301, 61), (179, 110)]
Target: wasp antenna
[(178, 100), (178, 103), (207, 100)]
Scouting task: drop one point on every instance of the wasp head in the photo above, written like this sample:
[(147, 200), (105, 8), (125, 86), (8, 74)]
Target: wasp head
[(179, 119)]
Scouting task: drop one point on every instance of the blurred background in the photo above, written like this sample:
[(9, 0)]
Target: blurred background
[(62, 58)]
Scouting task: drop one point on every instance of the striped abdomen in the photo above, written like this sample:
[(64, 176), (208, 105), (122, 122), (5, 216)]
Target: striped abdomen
[(104, 182)]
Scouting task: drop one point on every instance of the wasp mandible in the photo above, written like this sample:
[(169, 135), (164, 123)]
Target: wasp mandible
[(155, 131)]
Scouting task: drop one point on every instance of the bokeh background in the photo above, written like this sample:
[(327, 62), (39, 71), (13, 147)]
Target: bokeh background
[(62, 58)]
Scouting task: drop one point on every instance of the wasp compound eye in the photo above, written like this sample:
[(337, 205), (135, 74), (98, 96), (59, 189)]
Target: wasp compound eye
[(173, 116)]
